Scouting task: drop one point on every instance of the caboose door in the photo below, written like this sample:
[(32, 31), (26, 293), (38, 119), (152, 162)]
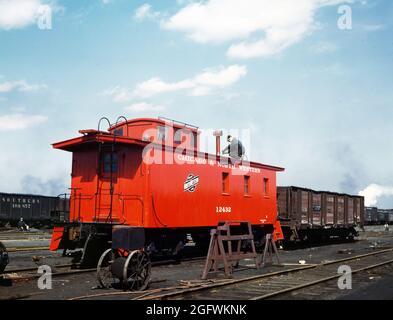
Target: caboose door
[(108, 202)]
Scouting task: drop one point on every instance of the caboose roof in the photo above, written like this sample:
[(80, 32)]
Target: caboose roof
[(161, 121), (91, 137)]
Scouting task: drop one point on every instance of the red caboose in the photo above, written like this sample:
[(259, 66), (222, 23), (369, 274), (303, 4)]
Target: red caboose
[(145, 183)]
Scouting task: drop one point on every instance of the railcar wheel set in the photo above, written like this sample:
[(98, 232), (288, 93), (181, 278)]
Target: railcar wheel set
[(131, 269)]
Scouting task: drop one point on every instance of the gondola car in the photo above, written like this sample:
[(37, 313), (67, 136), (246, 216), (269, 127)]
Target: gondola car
[(307, 214), (36, 210), (376, 216), (371, 216), (143, 188)]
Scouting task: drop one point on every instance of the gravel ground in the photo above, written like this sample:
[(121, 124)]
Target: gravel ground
[(378, 285)]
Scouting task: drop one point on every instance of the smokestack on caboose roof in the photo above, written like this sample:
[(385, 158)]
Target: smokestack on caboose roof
[(218, 134)]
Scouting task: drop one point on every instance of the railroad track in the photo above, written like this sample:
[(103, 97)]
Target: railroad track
[(35, 269), (13, 232), (274, 284), (26, 249), (31, 273), (28, 274), (25, 236), (258, 287)]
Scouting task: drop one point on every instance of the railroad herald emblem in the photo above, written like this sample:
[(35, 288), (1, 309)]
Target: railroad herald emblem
[(191, 183)]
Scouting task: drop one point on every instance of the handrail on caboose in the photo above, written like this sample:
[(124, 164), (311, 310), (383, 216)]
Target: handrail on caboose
[(99, 123), (179, 122), (117, 122)]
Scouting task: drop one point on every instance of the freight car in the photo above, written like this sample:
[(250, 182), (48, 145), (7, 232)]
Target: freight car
[(376, 216), (36, 210), (390, 217), (315, 215), (371, 216), (144, 185), (385, 216)]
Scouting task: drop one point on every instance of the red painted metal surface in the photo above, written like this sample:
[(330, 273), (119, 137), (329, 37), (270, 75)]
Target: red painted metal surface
[(186, 192), (56, 238), (278, 235)]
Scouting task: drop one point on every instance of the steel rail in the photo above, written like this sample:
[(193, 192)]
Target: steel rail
[(36, 268), (55, 274), (64, 273), (26, 249), (264, 276), (316, 282), (23, 234)]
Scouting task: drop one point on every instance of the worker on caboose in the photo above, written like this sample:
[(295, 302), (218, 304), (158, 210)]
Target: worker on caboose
[(235, 149)]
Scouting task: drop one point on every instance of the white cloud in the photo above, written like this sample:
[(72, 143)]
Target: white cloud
[(156, 86), (373, 192), (200, 85), (255, 28), (19, 121), (144, 107), (119, 94), (16, 14), (145, 12), (221, 77), (373, 27), (324, 47), (21, 86)]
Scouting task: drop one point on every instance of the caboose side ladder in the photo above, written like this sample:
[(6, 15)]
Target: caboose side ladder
[(107, 208)]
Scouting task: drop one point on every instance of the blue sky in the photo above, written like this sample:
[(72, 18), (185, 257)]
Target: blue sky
[(315, 98)]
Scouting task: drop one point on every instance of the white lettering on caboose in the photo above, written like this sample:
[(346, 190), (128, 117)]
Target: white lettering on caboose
[(201, 161)]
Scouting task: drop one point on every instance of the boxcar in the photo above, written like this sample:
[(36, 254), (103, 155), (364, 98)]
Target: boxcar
[(34, 209), (309, 214)]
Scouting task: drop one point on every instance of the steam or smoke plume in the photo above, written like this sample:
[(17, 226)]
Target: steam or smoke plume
[(373, 192), (50, 187), (347, 159)]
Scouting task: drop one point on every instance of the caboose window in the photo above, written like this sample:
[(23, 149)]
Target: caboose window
[(225, 182), (118, 132), (246, 185), (110, 163), (265, 187)]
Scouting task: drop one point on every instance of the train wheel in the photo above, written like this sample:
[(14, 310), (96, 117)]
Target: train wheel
[(137, 269), (104, 272)]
